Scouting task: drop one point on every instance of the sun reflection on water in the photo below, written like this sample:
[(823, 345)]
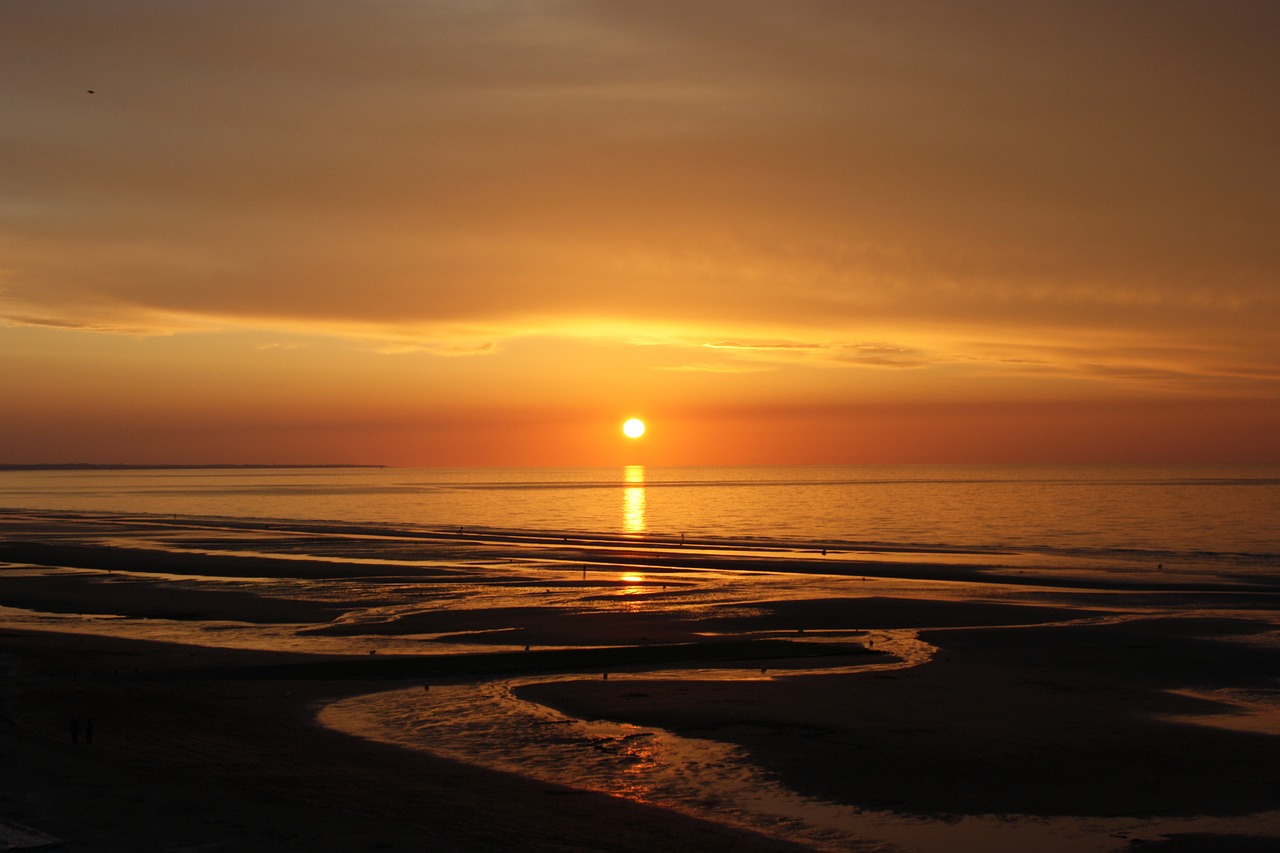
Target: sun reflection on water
[(633, 499), (635, 584)]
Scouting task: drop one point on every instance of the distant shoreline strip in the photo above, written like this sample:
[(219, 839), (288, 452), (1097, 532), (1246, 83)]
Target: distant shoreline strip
[(92, 466)]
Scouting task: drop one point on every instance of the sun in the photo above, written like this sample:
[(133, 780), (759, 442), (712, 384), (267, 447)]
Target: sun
[(633, 428)]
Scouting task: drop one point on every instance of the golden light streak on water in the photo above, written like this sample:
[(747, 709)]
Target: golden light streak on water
[(633, 500)]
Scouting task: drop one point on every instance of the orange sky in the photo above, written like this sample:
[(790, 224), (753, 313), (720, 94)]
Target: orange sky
[(443, 233)]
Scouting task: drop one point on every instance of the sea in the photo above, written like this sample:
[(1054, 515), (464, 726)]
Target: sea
[(1177, 525), (1228, 515)]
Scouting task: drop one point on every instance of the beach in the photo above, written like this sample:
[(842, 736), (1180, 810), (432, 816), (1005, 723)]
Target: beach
[(225, 763), (1134, 713)]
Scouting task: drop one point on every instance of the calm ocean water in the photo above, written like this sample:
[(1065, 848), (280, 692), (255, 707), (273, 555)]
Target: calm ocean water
[(1230, 513)]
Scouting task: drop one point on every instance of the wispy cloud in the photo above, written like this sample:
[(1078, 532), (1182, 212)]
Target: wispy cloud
[(103, 326), (46, 322), (863, 354), (713, 368), (446, 349)]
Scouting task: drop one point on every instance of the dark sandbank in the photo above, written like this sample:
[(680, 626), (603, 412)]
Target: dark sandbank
[(177, 562), (1200, 842), (141, 597)]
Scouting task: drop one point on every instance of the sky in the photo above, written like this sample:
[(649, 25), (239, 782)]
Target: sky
[(411, 232)]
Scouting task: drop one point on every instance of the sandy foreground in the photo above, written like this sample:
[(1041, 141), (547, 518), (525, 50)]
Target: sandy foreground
[(225, 763), (1058, 698)]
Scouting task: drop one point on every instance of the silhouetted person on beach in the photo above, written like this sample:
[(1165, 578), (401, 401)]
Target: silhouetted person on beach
[(88, 731), (73, 727)]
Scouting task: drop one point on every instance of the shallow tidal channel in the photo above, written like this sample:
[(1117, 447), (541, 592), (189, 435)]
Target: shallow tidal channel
[(489, 725)]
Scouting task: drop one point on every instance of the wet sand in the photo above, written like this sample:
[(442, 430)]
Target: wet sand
[(1049, 698), (1029, 720), (227, 762)]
